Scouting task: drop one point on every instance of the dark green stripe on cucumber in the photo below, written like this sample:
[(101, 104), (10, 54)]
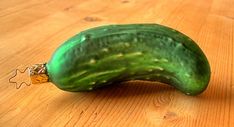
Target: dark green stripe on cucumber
[(115, 53)]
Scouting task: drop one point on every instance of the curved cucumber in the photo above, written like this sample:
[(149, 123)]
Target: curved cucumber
[(103, 55)]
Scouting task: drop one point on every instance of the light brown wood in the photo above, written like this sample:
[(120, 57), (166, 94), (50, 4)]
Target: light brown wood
[(30, 31)]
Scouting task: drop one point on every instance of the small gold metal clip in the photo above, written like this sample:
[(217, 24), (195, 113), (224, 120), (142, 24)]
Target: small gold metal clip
[(37, 73)]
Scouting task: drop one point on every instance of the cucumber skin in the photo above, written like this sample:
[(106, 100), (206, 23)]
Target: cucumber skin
[(114, 53)]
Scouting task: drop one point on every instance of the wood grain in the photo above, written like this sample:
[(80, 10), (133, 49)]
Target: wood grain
[(30, 31)]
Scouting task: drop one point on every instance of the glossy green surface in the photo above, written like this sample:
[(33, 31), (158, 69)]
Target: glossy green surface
[(103, 55)]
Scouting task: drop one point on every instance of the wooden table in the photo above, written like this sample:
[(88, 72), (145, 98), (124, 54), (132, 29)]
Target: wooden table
[(30, 31)]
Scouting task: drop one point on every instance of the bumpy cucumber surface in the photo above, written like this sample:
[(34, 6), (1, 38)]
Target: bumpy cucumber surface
[(107, 54)]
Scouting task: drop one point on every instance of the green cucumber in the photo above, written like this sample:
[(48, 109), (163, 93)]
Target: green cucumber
[(115, 53)]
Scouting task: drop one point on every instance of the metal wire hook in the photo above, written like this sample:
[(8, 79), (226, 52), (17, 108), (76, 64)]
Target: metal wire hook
[(16, 84)]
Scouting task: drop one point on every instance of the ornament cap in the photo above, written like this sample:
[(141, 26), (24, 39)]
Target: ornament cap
[(38, 73)]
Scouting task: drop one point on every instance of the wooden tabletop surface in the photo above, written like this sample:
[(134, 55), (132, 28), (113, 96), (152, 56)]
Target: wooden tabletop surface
[(30, 31)]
